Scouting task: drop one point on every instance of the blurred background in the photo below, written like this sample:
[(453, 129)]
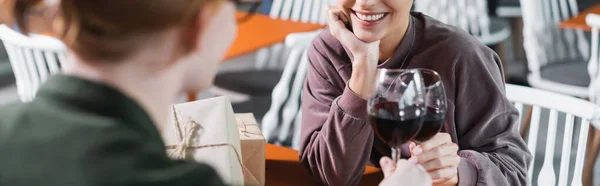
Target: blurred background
[(544, 44)]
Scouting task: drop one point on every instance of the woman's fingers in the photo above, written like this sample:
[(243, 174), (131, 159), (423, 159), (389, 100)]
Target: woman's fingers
[(336, 20), (437, 152), (438, 140), (441, 163)]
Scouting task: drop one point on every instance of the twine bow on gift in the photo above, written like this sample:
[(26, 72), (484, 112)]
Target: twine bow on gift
[(184, 139), (244, 128)]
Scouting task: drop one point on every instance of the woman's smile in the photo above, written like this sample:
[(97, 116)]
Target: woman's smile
[(368, 19)]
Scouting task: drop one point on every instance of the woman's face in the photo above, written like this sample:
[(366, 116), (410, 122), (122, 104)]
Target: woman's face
[(218, 31), (373, 20)]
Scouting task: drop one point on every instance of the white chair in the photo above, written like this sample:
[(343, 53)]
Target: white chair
[(33, 59), (578, 113), (258, 81), (469, 15), (281, 124), (306, 11), (557, 58), (593, 20)]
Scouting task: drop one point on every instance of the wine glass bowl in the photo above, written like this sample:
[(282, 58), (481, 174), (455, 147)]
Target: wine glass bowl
[(397, 107), (435, 102)]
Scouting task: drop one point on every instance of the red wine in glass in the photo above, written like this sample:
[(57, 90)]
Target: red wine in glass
[(391, 126), (432, 123), (397, 107)]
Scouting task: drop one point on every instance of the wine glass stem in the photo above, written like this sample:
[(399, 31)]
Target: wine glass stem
[(395, 154)]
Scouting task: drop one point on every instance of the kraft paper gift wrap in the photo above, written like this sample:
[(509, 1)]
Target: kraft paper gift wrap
[(253, 149), (206, 131)]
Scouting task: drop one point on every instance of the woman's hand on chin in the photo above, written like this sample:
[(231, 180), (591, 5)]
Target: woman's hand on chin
[(366, 55)]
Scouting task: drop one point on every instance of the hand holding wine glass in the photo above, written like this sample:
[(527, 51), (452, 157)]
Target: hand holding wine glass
[(435, 151), (439, 157)]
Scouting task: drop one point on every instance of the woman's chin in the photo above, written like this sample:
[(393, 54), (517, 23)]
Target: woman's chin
[(368, 37)]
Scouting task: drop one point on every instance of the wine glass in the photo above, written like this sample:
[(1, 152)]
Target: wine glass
[(397, 107), (435, 102)]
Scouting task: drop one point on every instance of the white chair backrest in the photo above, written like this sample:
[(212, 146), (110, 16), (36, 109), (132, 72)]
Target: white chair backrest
[(578, 113), (281, 124), (307, 11), (544, 41), (33, 59), (593, 20), (469, 15)]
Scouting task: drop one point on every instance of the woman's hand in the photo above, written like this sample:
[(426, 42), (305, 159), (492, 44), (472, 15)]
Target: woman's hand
[(366, 55), (439, 156), (403, 173)]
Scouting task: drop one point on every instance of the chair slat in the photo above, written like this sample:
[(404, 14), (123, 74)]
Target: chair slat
[(33, 71), (63, 59), (318, 12), (594, 68), (41, 64), (564, 10), (24, 72), (574, 8), (555, 11), (277, 51), (276, 8), (472, 16), (297, 10), (547, 16), (323, 12), (16, 67), (519, 107), (271, 119), (532, 136), (566, 151), (292, 108), (581, 145), (307, 10), (286, 10), (547, 175), (298, 129), (52, 63)]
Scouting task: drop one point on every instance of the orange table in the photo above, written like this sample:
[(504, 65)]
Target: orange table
[(284, 168), (578, 22), (261, 31)]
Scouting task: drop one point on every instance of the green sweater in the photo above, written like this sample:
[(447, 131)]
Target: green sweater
[(78, 132)]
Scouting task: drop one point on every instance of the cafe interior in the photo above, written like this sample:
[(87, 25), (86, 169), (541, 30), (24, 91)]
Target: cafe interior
[(549, 53)]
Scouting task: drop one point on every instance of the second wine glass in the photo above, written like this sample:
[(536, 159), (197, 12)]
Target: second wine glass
[(435, 102)]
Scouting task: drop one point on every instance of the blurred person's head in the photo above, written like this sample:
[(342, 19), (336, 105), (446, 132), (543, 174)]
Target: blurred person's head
[(181, 40), (6, 12), (374, 20), (152, 50)]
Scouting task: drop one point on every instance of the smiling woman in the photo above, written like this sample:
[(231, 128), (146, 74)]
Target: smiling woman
[(479, 143)]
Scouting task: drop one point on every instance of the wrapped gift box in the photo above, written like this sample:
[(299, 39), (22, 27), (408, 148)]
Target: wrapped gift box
[(253, 149), (206, 131)]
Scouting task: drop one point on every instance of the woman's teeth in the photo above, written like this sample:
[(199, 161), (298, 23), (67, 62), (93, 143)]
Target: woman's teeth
[(371, 18)]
